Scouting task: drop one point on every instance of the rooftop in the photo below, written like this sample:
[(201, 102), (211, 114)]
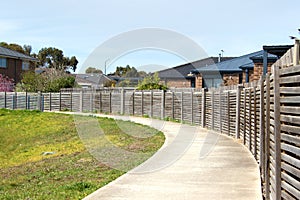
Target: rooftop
[(183, 70), (4, 52), (235, 64), (92, 78)]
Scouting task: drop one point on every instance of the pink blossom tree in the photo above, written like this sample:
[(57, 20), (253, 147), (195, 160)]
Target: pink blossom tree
[(6, 84)]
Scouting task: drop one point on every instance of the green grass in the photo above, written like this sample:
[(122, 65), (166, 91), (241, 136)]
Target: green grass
[(71, 172)]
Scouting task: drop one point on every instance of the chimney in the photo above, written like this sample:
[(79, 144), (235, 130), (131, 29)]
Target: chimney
[(219, 60)]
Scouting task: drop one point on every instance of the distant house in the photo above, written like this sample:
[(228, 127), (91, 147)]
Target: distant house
[(242, 69), (181, 76), (13, 63), (94, 81)]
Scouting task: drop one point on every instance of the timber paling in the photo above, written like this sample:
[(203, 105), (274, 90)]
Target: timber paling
[(264, 115)]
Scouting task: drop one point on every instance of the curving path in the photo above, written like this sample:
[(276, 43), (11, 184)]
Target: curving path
[(194, 163)]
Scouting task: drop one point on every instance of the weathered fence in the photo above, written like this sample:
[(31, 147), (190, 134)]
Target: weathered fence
[(264, 115)]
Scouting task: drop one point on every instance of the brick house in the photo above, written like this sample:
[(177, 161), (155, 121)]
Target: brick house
[(246, 68), (181, 76), (13, 63)]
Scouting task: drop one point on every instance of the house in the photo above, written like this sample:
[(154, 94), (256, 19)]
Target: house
[(94, 81), (246, 68), (181, 76), (13, 63)]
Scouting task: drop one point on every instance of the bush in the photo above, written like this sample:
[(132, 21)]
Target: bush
[(6, 84), (151, 82), (50, 81)]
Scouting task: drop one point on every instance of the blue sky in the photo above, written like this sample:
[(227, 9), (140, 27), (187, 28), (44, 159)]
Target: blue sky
[(237, 27)]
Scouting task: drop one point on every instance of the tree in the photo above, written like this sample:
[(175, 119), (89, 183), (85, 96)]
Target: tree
[(128, 72), (13, 46), (93, 70), (151, 82), (27, 49), (54, 58)]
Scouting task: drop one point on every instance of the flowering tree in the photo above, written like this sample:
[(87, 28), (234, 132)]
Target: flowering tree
[(6, 84)]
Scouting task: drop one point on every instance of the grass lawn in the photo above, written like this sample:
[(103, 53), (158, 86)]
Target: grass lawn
[(71, 172)]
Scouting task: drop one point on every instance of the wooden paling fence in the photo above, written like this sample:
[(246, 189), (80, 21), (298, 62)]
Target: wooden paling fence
[(264, 115)]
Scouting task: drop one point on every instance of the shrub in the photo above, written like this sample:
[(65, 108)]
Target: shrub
[(151, 82), (50, 81), (6, 84)]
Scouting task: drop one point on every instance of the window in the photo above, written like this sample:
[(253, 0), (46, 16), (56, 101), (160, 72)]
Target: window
[(212, 80), (3, 63), (25, 65)]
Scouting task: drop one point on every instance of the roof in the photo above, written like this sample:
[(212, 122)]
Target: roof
[(96, 79), (278, 50), (5, 52), (233, 65), (183, 70)]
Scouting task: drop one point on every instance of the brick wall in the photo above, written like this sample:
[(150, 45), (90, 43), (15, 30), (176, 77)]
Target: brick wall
[(178, 83), (198, 81), (14, 69), (258, 71), (231, 79)]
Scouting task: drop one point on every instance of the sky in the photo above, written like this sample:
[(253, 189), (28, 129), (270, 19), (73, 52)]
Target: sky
[(80, 27)]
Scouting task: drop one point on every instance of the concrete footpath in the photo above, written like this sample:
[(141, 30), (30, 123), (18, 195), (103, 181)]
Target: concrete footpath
[(194, 163)]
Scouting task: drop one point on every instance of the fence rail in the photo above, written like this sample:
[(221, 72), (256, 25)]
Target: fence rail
[(264, 115)]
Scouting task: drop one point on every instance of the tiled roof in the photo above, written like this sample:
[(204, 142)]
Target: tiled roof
[(14, 54), (233, 65), (183, 70), (96, 79)]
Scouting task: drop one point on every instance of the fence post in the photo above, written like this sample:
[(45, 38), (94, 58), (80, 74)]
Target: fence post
[(60, 101), (100, 101), (238, 111), (151, 103), (192, 107), (81, 102), (220, 109), (50, 101), (250, 115), (212, 109), (133, 102), (71, 99), (262, 127), (110, 106), (91, 101), (267, 138), (203, 106), (162, 104), (16, 100), (181, 107), (42, 102), (173, 105), (5, 100), (255, 123), (228, 112), (39, 101), (26, 101), (296, 52), (142, 103), (244, 127), (122, 102), (13, 101), (277, 130)]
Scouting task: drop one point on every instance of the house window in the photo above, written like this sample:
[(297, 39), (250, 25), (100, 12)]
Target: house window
[(25, 65), (3, 63), (212, 80)]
